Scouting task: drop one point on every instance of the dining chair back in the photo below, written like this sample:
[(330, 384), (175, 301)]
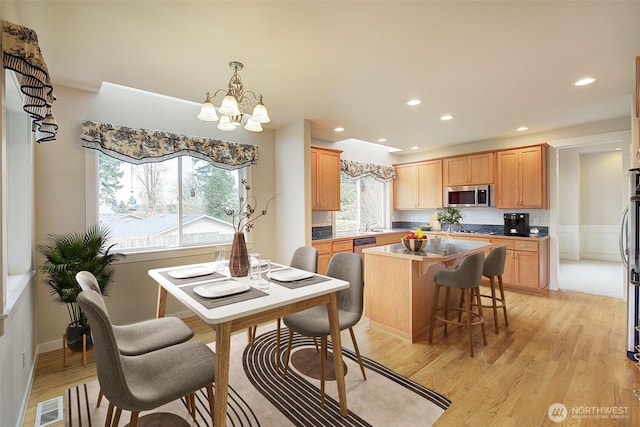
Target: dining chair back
[(305, 258), (88, 281), (314, 322), (146, 381), (142, 337), (145, 336)]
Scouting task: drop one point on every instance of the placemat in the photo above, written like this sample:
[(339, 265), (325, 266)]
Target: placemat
[(300, 283), (214, 275), (222, 301)]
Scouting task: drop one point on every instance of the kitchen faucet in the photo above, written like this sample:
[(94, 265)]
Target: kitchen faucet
[(368, 226)]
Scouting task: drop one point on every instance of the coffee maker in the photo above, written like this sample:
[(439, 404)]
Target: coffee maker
[(516, 224)]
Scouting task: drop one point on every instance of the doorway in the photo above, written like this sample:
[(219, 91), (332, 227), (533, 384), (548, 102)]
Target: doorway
[(592, 195)]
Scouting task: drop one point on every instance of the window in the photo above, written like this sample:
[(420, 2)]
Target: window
[(362, 202), (174, 203)]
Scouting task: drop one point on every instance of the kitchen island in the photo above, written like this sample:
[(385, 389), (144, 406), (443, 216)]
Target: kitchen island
[(399, 285)]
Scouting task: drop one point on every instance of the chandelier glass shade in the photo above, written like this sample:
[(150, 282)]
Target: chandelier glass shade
[(236, 106)]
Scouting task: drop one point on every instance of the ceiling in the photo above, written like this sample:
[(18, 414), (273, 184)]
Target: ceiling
[(495, 66)]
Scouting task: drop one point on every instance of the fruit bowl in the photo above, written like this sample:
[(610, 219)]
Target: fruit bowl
[(414, 244)]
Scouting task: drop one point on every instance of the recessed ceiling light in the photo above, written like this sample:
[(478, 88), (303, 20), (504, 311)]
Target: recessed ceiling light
[(522, 128), (585, 81), (414, 147), (382, 139), (339, 129), (414, 102), (446, 117)]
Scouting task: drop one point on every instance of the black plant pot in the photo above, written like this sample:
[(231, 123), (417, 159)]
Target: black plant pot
[(74, 337)]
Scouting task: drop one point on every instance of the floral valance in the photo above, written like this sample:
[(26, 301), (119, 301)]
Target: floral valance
[(357, 170), (138, 146), (21, 53)]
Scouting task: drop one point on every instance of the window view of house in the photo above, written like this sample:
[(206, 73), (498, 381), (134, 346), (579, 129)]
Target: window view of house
[(361, 203), (178, 202)]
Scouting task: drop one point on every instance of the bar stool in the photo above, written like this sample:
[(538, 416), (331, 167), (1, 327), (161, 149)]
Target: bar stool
[(467, 277), (494, 267)]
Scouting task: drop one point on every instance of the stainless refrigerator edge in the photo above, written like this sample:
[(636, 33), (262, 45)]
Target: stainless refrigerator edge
[(630, 253)]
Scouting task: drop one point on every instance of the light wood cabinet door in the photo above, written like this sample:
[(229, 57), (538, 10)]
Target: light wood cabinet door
[(533, 178), (507, 186), (404, 187), (388, 239), (527, 269), (456, 171), (521, 180), (468, 170), (430, 184), (325, 179), (481, 168), (418, 185), (324, 255)]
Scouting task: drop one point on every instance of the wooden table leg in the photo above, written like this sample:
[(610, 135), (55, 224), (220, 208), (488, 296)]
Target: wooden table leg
[(223, 349), (162, 301), (337, 353)]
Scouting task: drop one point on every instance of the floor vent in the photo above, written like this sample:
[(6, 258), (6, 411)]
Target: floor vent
[(49, 412)]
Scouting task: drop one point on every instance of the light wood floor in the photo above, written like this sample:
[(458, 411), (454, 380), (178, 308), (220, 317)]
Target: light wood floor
[(567, 347)]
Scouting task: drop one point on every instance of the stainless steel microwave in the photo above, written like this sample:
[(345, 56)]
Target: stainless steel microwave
[(468, 196)]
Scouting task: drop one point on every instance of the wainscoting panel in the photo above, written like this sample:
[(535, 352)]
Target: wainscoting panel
[(599, 242), (568, 239)]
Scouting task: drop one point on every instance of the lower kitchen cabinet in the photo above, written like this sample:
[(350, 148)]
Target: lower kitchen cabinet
[(324, 255), (328, 248), (389, 238), (527, 264)]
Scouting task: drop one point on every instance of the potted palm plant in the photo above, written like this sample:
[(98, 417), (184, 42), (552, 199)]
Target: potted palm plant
[(67, 254)]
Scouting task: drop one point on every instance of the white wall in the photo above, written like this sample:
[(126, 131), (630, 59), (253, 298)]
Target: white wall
[(65, 186), (17, 346), (293, 182)]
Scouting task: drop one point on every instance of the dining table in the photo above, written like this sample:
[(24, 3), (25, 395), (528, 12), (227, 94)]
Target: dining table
[(191, 284)]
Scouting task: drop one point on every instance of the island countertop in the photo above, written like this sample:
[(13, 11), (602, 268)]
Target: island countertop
[(436, 249)]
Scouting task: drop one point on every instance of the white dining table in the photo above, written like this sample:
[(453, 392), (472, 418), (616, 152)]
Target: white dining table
[(278, 302)]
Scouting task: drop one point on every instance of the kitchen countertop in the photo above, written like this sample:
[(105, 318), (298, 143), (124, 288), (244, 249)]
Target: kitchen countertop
[(355, 234), (436, 249)]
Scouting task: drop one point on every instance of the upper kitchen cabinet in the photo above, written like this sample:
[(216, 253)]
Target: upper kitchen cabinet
[(325, 179), (418, 185), (468, 170), (521, 181)]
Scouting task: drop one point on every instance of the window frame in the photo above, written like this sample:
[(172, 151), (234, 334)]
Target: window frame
[(148, 254), (385, 208)]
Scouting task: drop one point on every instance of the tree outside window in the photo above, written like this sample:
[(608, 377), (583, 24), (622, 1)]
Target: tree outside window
[(361, 203), (177, 202)]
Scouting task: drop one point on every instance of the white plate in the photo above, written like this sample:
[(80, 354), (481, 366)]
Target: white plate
[(221, 288), (289, 275), (185, 273)]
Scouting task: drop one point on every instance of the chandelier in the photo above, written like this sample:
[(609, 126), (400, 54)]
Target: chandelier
[(235, 107)]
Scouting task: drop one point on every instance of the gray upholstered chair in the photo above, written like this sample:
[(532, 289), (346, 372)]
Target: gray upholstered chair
[(314, 322), (494, 267), (467, 277), (146, 381), (142, 337), (304, 258)]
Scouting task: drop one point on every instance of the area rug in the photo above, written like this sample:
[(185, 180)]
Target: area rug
[(259, 395)]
